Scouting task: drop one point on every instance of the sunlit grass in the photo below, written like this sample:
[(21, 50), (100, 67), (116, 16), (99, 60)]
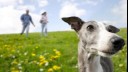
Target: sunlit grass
[(55, 53)]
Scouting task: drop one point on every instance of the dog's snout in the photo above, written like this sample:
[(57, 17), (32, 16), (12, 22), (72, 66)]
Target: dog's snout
[(117, 42)]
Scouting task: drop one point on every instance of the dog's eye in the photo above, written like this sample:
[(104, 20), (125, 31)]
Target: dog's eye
[(90, 27), (110, 30)]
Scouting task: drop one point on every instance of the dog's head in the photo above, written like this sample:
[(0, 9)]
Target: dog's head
[(98, 37)]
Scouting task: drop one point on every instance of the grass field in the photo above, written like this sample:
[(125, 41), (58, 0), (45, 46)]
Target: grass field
[(55, 53)]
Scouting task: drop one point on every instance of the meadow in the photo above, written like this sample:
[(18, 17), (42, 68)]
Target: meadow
[(55, 53)]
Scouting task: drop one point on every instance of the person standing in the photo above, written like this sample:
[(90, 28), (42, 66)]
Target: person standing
[(44, 21), (26, 19)]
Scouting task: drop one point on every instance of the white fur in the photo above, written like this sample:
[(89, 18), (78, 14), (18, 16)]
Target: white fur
[(104, 38), (96, 65)]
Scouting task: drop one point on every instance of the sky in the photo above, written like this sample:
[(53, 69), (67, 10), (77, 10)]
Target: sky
[(112, 12)]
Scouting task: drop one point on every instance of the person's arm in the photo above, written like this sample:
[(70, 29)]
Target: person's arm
[(22, 18), (31, 21), (47, 18), (41, 20)]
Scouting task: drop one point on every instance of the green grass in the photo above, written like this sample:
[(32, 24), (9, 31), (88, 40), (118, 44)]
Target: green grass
[(120, 59), (18, 53)]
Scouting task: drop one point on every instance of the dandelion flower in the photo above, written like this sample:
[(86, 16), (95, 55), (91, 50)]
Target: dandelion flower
[(14, 70), (50, 70), (42, 61), (14, 62), (55, 67), (41, 57), (58, 53), (33, 54)]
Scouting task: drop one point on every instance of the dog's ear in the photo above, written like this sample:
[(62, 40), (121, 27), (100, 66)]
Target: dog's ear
[(75, 22), (113, 29)]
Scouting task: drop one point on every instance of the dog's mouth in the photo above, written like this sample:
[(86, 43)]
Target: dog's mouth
[(110, 52), (104, 53)]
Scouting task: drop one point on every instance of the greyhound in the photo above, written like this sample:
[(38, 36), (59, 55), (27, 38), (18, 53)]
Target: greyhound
[(97, 43)]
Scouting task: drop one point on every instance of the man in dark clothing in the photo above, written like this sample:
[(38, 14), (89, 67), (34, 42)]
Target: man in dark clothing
[(26, 19)]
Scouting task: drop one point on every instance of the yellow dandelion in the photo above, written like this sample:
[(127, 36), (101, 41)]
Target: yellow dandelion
[(43, 62), (33, 54), (5, 45), (13, 50), (56, 56), (14, 70), (50, 70), (55, 67), (53, 58), (14, 62), (54, 50), (42, 57), (58, 53)]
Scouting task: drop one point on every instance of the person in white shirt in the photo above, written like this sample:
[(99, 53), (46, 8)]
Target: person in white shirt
[(44, 22)]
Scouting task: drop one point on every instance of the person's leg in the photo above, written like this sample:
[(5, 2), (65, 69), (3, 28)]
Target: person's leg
[(45, 32), (23, 29), (42, 31), (27, 30)]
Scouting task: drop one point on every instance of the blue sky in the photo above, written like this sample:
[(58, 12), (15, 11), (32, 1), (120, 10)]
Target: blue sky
[(109, 11)]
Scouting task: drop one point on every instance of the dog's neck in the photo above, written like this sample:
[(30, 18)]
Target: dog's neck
[(87, 61), (94, 65)]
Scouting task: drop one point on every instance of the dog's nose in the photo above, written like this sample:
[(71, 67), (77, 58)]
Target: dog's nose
[(118, 43)]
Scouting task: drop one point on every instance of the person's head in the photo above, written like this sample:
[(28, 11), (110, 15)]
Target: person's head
[(44, 13), (27, 11)]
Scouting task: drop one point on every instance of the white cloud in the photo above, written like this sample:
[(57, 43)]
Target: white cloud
[(71, 9), (109, 22), (43, 3), (24, 7), (10, 20), (7, 2), (93, 2), (20, 1), (121, 10), (65, 0)]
